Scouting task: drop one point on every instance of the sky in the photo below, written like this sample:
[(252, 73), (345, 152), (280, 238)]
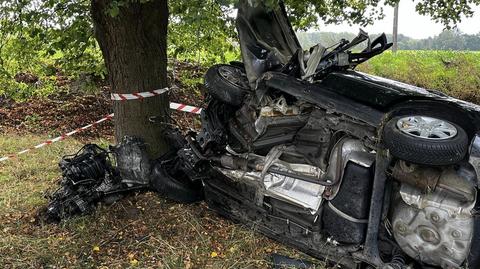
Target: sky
[(410, 23)]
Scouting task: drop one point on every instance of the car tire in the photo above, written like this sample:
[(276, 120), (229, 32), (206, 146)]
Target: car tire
[(227, 83), (417, 148), (177, 187)]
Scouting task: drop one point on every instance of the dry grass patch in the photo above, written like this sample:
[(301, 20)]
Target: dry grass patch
[(143, 230)]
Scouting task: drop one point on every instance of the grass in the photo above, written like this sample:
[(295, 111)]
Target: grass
[(143, 231), (456, 73)]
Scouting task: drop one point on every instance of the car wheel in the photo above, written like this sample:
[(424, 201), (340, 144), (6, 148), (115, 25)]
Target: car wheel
[(227, 83), (176, 187), (425, 140)]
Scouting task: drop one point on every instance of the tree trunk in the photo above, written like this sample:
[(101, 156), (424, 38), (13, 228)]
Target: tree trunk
[(134, 47)]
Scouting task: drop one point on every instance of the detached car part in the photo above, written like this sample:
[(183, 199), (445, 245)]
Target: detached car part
[(90, 177)]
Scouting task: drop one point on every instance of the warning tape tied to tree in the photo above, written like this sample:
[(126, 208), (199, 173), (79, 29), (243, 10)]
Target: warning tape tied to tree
[(137, 95)]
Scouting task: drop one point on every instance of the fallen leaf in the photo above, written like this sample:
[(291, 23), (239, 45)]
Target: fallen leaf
[(134, 262)]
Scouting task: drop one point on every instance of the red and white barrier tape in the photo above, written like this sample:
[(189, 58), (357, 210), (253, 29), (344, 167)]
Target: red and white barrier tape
[(175, 106), (57, 139), (141, 95), (136, 95), (185, 108)]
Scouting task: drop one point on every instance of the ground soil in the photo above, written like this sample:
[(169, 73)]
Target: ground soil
[(64, 111)]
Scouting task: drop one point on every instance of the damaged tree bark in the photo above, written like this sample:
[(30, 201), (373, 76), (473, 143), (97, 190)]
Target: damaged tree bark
[(132, 38)]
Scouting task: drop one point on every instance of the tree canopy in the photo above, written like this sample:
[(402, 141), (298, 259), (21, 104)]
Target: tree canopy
[(45, 36)]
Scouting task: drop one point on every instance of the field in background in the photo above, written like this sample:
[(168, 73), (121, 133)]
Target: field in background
[(453, 72)]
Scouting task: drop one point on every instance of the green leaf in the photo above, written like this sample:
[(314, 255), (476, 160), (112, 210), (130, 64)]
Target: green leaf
[(114, 10)]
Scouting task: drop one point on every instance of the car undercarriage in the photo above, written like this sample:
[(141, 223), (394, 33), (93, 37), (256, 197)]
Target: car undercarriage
[(357, 170)]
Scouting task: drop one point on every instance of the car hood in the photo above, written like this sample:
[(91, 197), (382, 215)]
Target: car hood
[(266, 37)]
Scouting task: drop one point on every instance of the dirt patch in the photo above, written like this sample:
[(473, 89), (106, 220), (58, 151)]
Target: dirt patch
[(56, 115), (64, 112), (26, 78)]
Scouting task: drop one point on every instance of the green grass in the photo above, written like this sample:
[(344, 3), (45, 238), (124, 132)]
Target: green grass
[(453, 72), (143, 230)]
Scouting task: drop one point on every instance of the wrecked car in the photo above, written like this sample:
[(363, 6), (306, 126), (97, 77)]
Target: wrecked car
[(362, 171)]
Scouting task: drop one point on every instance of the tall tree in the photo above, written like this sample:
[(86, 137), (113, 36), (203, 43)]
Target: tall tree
[(133, 38)]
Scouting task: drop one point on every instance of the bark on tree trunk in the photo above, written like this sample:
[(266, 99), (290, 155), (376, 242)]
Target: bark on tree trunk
[(134, 47)]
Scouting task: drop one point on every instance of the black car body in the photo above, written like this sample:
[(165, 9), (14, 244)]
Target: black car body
[(383, 177)]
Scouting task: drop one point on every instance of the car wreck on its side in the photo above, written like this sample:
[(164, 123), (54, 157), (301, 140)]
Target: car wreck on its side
[(360, 170)]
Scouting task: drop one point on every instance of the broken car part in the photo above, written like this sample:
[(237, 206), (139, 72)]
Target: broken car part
[(90, 177), (281, 261), (227, 83)]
